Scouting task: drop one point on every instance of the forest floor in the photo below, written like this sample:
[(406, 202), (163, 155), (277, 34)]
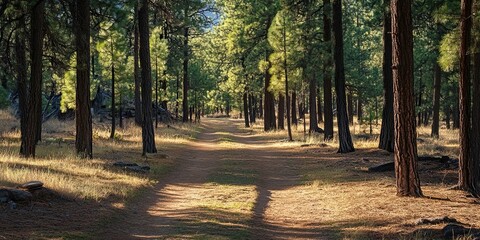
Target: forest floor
[(231, 182)]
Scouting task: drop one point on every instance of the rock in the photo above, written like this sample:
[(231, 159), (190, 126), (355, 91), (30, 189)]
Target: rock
[(32, 185), (451, 231), (5, 195), (44, 194), (12, 205), (366, 160), (20, 195), (122, 164), (437, 220), (383, 167), (137, 169)]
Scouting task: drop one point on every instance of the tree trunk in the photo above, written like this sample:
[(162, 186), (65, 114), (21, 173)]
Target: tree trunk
[(21, 69), (260, 108), (408, 182), (245, 109), (35, 95), (456, 114), (120, 112), (112, 133), (269, 122), (360, 110), (436, 101), (312, 104), (287, 91), (136, 72), (185, 75), (327, 68), (386, 132), (177, 97), (350, 107), (281, 112), (466, 176), (148, 135), (251, 108), (319, 105), (294, 108), (156, 92), (475, 143), (447, 117), (83, 117), (345, 139)]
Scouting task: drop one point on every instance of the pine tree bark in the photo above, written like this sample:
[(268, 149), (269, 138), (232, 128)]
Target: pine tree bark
[(245, 109), (35, 92), (327, 66), (185, 75), (436, 100), (269, 122), (294, 108), (475, 147), (148, 136), (281, 112), (112, 133), (345, 139), (312, 99), (21, 69), (136, 71), (251, 108), (466, 166), (386, 132), (350, 107), (83, 117), (319, 105), (359, 110), (408, 182)]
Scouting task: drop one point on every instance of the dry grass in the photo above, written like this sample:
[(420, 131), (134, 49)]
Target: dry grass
[(57, 166), (446, 144)]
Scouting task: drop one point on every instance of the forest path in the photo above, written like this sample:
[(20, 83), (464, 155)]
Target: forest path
[(229, 184)]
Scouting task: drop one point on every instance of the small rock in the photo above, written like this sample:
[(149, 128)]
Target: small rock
[(20, 195), (12, 205), (366, 160), (32, 185), (137, 169), (122, 164), (451, 231), (438, 220), (5, 196), (44, 194)]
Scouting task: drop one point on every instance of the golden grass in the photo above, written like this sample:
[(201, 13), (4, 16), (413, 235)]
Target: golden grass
[(446, 144), (57, 166)]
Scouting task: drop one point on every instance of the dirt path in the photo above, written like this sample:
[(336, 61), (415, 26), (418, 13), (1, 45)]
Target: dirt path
[(187, 204)]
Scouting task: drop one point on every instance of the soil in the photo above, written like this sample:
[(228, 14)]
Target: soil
[(284, 208)]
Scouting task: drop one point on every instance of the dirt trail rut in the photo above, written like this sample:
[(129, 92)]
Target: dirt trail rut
[(166, 211)]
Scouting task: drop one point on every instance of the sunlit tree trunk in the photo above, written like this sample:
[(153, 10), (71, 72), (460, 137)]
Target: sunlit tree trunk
[(148, 136), (386, 132), (83, 117), (136, 71), (467, 176), (327, 68), (436, 100), (345, 139), (408, 182)]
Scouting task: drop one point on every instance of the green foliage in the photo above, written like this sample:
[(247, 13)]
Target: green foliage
[(4, 102), (67, 86), (284, 24), (450, 51)]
